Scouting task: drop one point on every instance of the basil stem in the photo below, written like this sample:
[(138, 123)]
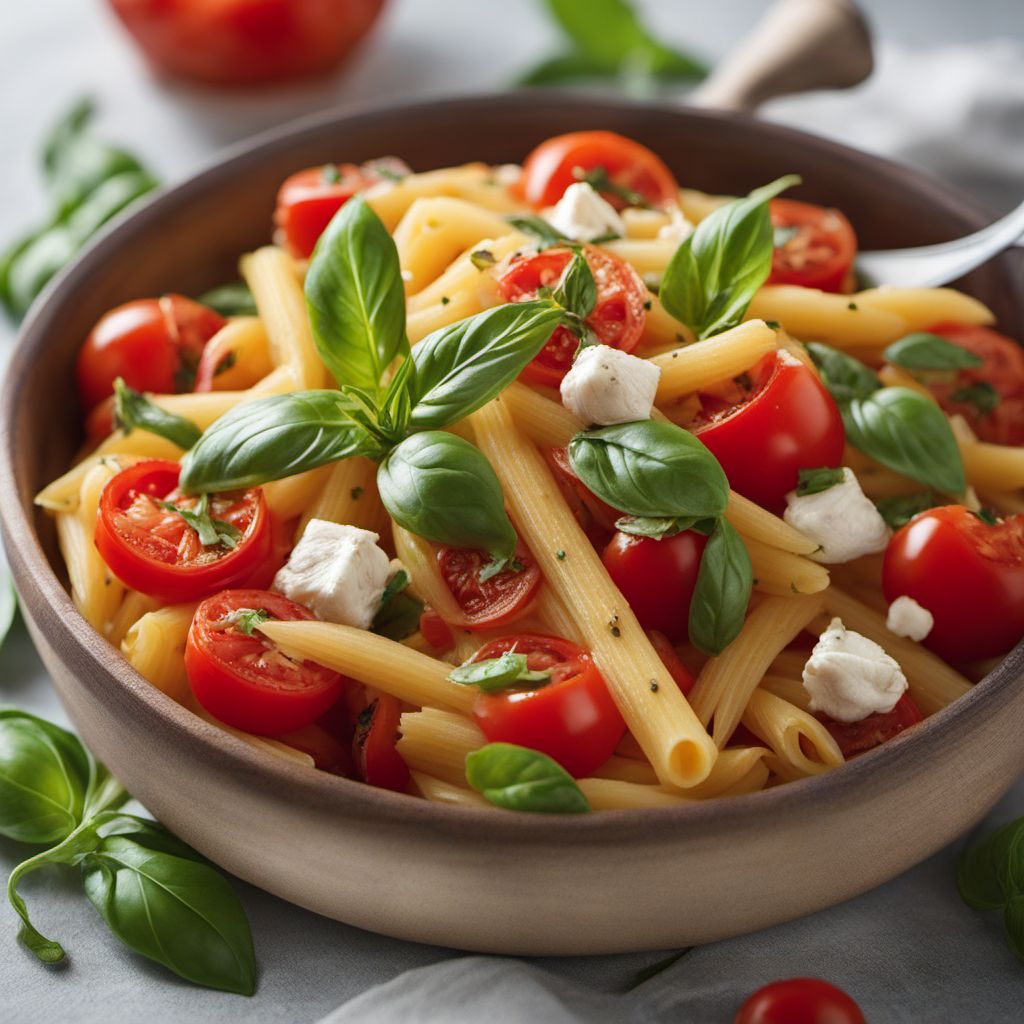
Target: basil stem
[(924, 351), (722, 593), (133, 410), (520, 779)]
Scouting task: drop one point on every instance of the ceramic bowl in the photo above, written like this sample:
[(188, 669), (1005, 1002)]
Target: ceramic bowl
[(479, 880)]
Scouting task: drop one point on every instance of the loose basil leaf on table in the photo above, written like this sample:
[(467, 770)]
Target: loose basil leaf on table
[(924, 351), (463, 366), (274, 437), (233, 299), (715, 272), (722, 593), (650, 469), (134, 411), (443, 489), (521, 779), (355, 297), (494, 674)]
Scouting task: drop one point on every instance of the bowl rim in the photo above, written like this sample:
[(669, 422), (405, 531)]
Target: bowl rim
[(53, 608)]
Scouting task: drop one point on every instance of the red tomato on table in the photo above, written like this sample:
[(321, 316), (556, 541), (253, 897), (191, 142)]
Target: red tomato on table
[(814, 246), (154, 550), (564, 159), (373, 745), (617, 319), (572, 718), (857, 737), (968, 573), (240, 42), (245, 681), (799, 1001), (491, 603), (784, 420)]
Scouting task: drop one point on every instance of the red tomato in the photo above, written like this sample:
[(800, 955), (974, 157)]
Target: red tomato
[(799, 1001), (155, 344), (1002, 368), (239, 42), (595, 516), (560, 161), (488, 604), (373, 746), (153, 550), (967, 573), (657, 578), (671, 660), (435, 630), (572, 719), (785, 421), (817, 247), (857, 737), (245, 681), (617, 320), (328, 754)]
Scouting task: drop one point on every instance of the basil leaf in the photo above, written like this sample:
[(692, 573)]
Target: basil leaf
[(212, 532), (547, 235), (657, 527), (133, 410), (355, 297), (1013, 922), (274, 437), (521, 779), (924, 351), (576, 291), (494, 674), (44, 773), (899, 510), (443, 489), (722, 593), (716, 271), (463, 366), (601, 182), (650, 468), (399, 613), (908, 433), (982, 395), (814, 481), (176, 911), (233, 299), (845, 377), (991, 873), (396, 405)]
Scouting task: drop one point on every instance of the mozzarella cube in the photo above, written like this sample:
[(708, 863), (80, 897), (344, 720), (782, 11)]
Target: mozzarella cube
[(842, 519), (908, 618), (583, 215), (850, 677), (338, 572), (607, 386)]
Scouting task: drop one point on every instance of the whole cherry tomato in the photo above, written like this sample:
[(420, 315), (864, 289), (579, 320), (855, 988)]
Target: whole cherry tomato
[(800, 1001), (814, 246)]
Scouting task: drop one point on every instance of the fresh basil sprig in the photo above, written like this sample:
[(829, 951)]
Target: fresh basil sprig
[(713, 275), (520, 779), (814, 481), (924, 351), (576, 293), (898, 427), (134, 411), (990, 876), (233, 299), (494, 674)]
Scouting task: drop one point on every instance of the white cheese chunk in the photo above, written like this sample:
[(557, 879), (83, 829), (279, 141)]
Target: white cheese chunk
[(678, 228), (908, 618), (338, 572), (608, 386), (582, 215), (842, 519), (850, 677)]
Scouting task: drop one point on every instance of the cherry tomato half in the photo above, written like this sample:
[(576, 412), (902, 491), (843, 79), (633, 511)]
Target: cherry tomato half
[(155, 551), (239, 42), (245, 681), (491, 603), (967, 573), (814, 246), (572, 719), (373, 746), (1002, 369), (857, 737), (800, 1001), (617, 320), (785, 421), (595, 516), (560, 161), (657, 578), (154, 344)]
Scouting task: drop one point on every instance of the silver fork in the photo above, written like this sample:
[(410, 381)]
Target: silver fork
[(929, 266)]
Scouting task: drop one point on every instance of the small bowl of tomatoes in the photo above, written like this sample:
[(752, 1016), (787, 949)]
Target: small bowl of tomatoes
[(478, 879)]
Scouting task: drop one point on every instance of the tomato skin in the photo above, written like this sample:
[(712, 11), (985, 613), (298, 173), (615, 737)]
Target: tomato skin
[(799, 1001), (244, 681), (308, 200), (657, 578), (572, 719), (436, 631), (617, 320), (789, 423), (495, 602), (328, 754), (373, 746), (858, 737), (132, 545), (548, 170), (821, 253), (968, 574), (240, 42)]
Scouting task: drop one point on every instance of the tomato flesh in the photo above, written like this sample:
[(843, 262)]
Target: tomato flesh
[(784, 422), (572, 718), (488, 604), (967, 573), (818, 246), (857, 737), (373, 746), (617, 319), (245, 681), (799, 1001)]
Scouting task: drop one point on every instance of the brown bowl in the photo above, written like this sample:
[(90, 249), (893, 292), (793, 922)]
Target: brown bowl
[(492, 881)]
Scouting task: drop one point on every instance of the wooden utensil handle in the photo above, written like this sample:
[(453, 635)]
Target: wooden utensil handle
[(799, 45)]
